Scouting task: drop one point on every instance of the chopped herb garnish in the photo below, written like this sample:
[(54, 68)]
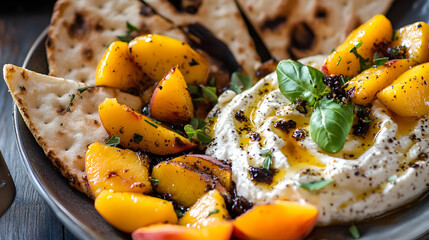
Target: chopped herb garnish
[(113, 141), (392, 178), (339, 60), (198, 123), (213, 212), (83, 89), (137, 138), (154, 181), (196, 129), (71, 102), (378, 61), (354, 231), (364, 63), (178, 213), (156, 121), (267, 153), (151, 123), (194, 89), (127, 37), (212, 82), (193, 62), (316, 185), (210, 93), (240, 82)]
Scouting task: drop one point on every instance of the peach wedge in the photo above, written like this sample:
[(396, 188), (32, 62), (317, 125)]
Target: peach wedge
[(415, 38), (171, 101), (139, 132), (176, 232), (129, 211), (281, 220), (116, 68), (112, 168)]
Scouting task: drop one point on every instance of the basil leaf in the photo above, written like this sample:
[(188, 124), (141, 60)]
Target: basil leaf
[(330, 123), (299, 82), (354, 231), (113, 141), (316, 185), (240, 82), (210, 93)]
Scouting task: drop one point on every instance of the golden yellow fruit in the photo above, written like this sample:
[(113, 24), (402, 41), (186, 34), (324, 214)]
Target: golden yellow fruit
[(415, 38), (171, 101), (408, 95), (112, 168), (343, 61), (139, 132), (368, 83), (157, 54), (129, 211)]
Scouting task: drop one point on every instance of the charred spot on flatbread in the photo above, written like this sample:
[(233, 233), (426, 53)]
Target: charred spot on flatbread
[(189, 6), (302, 36), (274, 23)]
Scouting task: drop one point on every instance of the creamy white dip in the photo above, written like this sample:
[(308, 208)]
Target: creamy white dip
[(372, 174)]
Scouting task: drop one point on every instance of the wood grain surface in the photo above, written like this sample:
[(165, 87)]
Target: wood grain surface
[(29, 217)]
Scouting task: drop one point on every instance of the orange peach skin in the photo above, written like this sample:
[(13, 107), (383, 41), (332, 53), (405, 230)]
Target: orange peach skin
[(176, 232), (408, 95), (116, 68), (112, 168), (281, 220), (120, 120), (129, 211), (377, 29), (415, 38), (209, 165), (157, 54), (368, 83), (171, 101)]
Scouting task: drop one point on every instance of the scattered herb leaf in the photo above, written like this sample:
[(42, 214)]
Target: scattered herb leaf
[(198, 133), (378, 61), (198, 123), (339, 60), (364, 63), (71, 102), (127, 37), (212, 82), (137, 138), (113, 141), (83, 89), (178, 213), (210, 93), (151, 123), (194, 89), (154, 181), (156, 121), (392, 178), (354, 231), (316, 185), (213, 212), (240, 82), (267, 153), (394, 35)]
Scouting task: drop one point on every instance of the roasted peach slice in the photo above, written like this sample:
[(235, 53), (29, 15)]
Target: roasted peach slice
[(116, 68), (408, 95), (157, 54), (343, 61), (280, 220), (128, 211), (176, 232), (368, 83), (171, 101), (209, 165), (209, 209), (139, 132), (415, 38), (116, 169), (183, 183)]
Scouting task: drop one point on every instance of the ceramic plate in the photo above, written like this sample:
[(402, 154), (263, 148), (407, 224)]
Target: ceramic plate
[(78, 214)]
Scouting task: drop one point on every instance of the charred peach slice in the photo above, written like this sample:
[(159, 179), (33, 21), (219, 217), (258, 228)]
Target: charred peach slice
[(171, 101), (116, 68), (176, 232), (139, 132), (157, 54), (183, 183), (408, 95), (112, 168), (280, 220), (209, 209), (368, 83), (343, 61), (129, 211), (415, 39), (209, 165)]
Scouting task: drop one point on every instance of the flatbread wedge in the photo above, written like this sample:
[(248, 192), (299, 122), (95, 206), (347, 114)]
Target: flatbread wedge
[(62, 119)]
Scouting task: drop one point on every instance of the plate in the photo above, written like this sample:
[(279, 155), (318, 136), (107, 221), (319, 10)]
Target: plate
[(78, 214)]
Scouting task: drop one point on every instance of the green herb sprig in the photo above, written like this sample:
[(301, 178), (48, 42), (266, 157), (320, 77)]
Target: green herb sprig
[(267, 153), (364, 62), (316, 185), (131, 29), (113, 141), (196, 130), (213, 212), (240, 82)]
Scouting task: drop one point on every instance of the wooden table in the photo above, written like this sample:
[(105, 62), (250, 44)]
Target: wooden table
[(29, 217)]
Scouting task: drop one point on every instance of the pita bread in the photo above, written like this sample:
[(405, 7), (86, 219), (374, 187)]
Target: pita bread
[(222, 18), (297, 29), (64, 135), (81, 30)]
